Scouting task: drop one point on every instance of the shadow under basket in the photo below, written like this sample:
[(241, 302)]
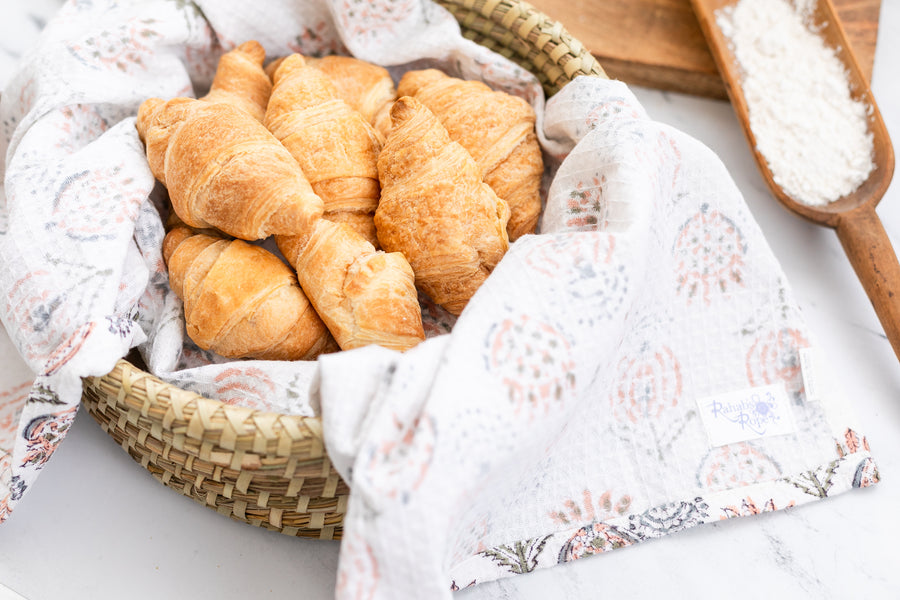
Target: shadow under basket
[(269, 469)]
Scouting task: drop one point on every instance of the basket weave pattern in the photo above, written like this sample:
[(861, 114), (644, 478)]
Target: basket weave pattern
[(526, 36), (268, 469)]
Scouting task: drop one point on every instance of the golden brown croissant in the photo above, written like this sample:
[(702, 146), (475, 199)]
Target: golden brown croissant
[(241, 301), (498, 131), (223, 169), (436, 209), (273, 66), (335, 147), (366, 87), (241, 81), (364, 296)]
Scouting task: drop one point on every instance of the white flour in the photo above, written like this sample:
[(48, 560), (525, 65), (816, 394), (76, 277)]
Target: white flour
[(813, 135)]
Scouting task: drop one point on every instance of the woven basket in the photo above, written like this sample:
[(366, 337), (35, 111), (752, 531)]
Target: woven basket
[(269, 469)]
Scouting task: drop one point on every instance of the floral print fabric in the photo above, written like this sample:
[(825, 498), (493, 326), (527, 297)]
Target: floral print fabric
[(561, 417)]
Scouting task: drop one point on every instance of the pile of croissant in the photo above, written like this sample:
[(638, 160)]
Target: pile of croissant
[(372, 193)]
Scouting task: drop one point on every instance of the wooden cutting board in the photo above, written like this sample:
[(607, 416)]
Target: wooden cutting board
[(658, 43)]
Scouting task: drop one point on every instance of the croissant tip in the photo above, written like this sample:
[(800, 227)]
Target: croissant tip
[(413, 81), (173, 239), (145, 113), (287, 64), (253, 50), (149, 106), (404, 108)]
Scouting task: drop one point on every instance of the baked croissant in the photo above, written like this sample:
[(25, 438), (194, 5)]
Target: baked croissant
[(223, 169), (364, 296), (241, 81), (498, 131), (273, 66), (241, 301), (366, 87), (436, 209), (335, 147)]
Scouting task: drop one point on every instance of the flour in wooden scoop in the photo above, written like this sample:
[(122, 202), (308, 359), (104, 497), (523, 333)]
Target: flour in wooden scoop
[(812, 133)]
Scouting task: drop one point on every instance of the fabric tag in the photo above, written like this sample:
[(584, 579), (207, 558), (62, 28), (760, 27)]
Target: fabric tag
[(809, 368), (746, 414)]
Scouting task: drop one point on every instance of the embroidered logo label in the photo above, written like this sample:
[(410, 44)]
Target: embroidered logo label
[(746, 414)]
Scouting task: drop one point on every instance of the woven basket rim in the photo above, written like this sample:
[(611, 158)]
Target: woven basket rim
[(207, 420), (522, 33)]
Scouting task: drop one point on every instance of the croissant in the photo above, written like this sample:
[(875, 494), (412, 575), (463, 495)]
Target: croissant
[(335, 147), (498, 131), (366, 87), (223, 169), (241, 301), (241, 81), (436, 209), (364, 296), (273, 66)]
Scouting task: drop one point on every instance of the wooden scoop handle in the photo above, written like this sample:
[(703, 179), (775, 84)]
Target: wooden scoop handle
[(872, 256)]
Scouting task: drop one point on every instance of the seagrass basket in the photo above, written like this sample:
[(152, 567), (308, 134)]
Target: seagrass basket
[(269, 469)]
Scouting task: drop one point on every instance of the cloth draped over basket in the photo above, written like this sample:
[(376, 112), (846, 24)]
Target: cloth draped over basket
[(579, 403)]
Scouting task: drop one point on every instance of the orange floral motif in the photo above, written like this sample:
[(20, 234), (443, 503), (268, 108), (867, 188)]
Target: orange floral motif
[(37, 315), (749, 507), (648, 384), (588, 510), (69, 348), (123, 48), (11, 403), (709, 255), (774, 357), (866, 473), (361, 18), (4, 507), (358, 573), (595, 539), (43, 434), (318, 40), (245, 386), (534, 362), (617, 108), (398, 465), (852, 443), (587, 206), (667, 145), (551, 255), (735, 465), (79, 123)]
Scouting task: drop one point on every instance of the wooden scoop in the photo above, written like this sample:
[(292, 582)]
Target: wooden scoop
[(852, 216)]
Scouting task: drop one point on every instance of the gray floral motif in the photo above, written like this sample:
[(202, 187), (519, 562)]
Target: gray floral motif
[(668, 518), (816, 482), (17, 488), (518, 558), (595, 538), (43, 393), (866, 473), (585, 268)]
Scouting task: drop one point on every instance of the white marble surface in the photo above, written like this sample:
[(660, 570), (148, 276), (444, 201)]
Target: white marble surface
[(95, 525)]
